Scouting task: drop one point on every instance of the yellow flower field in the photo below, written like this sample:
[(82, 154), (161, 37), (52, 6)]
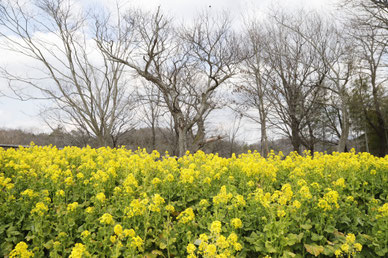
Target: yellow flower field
[(118, 203)]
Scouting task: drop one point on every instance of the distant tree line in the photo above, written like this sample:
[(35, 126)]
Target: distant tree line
[(139, 78)]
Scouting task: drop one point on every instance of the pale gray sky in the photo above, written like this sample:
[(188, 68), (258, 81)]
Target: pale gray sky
[(24, 115)]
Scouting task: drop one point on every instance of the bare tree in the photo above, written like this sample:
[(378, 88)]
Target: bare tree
[(297, 77), (234, 132), (187, 65), (152, 108), (336, 53), (372, 50), (253, 90), (371, 12), (87, 90)]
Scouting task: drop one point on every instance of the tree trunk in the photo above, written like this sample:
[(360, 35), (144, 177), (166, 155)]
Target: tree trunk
[(345, 127), (295, 137), (101, 140), (381, 129), (264, 139), (153, 136), (182, 141), (181, 132), (199, 138), (366, 139)]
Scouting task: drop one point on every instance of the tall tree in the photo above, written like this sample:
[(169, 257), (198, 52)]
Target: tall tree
[(87, 90), (372, 52), (256, 74), (297, 78), (186, 65), (335, 49)]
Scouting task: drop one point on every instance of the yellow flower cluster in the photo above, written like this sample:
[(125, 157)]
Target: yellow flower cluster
[(340, 182), (29, 192), (223, 196), (21, 250), (186, 216), (236, 223), (85, 233), (72, 206), (40, 209), (215, 245), (137, 242), (215, 227), (157, 201), (383, 211), (349, 248), (5, 182), (121, 203), (137, 207), (78, 251), (101, 197), (329, 200), (106, 219)]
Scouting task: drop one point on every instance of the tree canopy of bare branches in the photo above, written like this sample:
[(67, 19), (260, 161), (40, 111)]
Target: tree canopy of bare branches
[(87, 90), (186, 64)]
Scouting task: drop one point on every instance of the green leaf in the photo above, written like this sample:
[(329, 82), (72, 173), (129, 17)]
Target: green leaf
[(158, 252), (316, 237), (30, 236), (287, 254), (329, 250), (382, 252), (2, 228), (49, 244), (269, 247), (306, 226), (345, 219), (314, 249), (5, 248), (292, 239), (330, 229)]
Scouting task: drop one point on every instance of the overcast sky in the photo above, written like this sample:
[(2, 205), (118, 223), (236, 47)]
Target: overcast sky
[(24, 115)]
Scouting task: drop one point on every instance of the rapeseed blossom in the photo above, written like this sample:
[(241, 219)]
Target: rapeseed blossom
[(191, 248), (129, 232), (383, 211), (85, 233), (72, 206), (101, 197), (170, 208), (106, 219), (127, 203), (186, 216), (211, 250), (118, 229), (21, 250), (78, 251), (40, 209), (215, 227), (28, 192), (157, 201), (223, 197), (236, 223), (137, 242)]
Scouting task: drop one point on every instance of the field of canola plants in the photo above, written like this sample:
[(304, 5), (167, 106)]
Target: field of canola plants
[(119, 203)]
